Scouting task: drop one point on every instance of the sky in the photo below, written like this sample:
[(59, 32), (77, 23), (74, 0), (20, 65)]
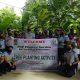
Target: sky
[(17, 4)]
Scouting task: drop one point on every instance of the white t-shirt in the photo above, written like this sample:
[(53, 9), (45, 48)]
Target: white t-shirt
[(66, 38), (76, 50), (10, 41), (2, 44), (63, 38), (30, 36)]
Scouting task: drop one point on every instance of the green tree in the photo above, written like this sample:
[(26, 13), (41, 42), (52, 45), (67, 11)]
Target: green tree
[(52, 13), (36, 13), (9, 19)]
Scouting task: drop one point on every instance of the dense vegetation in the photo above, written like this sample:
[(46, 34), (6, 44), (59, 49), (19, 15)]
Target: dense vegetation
[(52, 14), (8, 19), (48, 14)]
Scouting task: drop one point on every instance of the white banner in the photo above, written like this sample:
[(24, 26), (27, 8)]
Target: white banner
[(36, 54)]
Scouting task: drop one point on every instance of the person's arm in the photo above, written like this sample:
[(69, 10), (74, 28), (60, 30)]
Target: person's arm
[(76, 58), (77, 61), (70, 63), (13, 59), (71, 60), (10, 40)]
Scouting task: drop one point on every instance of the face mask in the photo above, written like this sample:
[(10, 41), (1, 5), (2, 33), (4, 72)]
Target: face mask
[(9, 51), (68, 49)]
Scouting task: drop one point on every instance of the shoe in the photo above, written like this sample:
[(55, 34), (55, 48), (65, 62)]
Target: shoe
[(0, 74)]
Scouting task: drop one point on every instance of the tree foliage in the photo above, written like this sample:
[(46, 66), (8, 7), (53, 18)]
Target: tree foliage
[(8, 19), (44, 14), (52, 13)]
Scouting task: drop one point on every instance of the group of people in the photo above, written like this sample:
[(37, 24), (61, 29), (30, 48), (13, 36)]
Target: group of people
[(68, 48), (68, 52), (7, 60)]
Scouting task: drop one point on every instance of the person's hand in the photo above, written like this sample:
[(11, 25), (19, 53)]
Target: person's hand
[(70, 64), (10, 64)]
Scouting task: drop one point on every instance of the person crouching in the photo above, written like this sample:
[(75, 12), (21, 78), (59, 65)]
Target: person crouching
[(9, 60), (71, 59), (2, 65)]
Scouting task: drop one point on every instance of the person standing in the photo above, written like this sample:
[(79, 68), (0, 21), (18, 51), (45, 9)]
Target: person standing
[(2, 44), (61, 43), (9, 41), (29, 34), (76, 50), (71, 35), (78, 45)]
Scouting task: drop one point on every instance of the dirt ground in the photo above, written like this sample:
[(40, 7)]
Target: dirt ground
[(28, 75)]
